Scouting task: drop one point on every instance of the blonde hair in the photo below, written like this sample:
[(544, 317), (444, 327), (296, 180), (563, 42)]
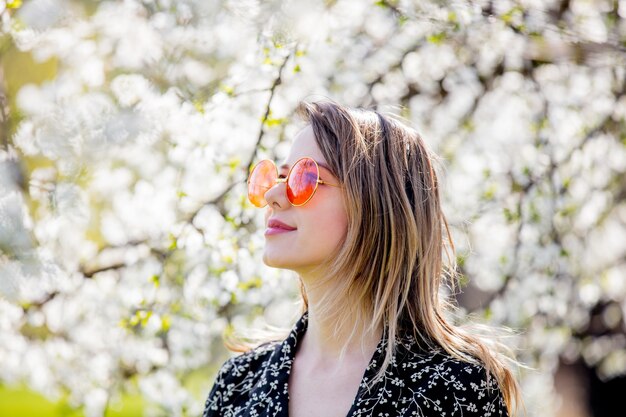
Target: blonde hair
[(391, 259)]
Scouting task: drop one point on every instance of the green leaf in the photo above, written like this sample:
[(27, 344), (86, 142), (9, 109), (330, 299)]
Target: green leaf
[(173, 243), (230, 91), (463, 280), (490, 192), (199, 106), (437, 38), (229, 330), (460, 260), (535, 216), (254, 282), (540, 125), (510, 216), (217, 271), (508, 16), (468, 125), (566, 182), (516, 187), (234, 163), (145, 316), (165, 323), (270, 121), (176, 307), (155, 280), (568, 210), (134, 320), (14, 4)]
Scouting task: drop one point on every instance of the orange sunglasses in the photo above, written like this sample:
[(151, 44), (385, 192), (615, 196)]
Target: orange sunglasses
[(302, 181)]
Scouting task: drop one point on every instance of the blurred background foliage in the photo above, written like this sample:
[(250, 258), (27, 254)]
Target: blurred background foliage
[(128, 248)]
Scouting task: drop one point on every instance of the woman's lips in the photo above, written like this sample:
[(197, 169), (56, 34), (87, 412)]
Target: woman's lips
[(276, 230)]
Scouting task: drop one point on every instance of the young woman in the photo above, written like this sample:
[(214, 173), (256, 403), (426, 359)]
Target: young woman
[(355, 212)]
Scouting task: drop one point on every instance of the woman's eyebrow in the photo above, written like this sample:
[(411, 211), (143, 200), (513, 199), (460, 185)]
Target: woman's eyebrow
[(286, 166)]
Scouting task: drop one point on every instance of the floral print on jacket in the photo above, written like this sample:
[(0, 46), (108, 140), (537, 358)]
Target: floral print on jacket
[(418, 383)]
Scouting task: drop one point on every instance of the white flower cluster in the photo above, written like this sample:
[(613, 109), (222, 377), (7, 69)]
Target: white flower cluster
[(127, 246)]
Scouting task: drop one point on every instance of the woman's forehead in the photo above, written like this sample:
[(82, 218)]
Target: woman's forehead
[(304, 145), (285, 165)]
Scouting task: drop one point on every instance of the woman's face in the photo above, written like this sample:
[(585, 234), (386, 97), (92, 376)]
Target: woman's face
[(320, 224)]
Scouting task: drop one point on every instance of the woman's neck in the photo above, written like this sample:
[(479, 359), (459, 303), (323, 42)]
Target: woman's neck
[(323, 347)]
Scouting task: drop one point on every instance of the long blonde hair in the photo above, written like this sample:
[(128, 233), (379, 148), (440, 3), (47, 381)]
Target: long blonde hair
[(391, 259)]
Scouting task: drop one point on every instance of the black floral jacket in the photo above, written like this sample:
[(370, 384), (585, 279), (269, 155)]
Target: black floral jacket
[(418, 383)]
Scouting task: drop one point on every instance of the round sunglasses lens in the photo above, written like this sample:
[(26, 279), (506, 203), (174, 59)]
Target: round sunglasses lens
[(302, 181), (262, 178)]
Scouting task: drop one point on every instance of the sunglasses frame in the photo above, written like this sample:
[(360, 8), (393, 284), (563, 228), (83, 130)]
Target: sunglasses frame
[(279, 180)]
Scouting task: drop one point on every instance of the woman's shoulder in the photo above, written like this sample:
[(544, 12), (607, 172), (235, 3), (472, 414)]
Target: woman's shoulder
[(236, 376), (437, 364), (458, 386)]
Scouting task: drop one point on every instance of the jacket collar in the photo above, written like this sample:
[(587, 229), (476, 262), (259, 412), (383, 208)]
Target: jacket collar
[(274, 396)]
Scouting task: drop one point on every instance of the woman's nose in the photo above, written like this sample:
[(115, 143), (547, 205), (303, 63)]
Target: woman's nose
[(276, 196)]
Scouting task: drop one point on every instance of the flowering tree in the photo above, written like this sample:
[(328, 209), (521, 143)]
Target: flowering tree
[(127, 246)]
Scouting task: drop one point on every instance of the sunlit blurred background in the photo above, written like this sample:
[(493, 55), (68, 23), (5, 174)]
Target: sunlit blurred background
[(128, 248)]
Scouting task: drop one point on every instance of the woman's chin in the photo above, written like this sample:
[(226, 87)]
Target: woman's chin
[(273, 261)]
